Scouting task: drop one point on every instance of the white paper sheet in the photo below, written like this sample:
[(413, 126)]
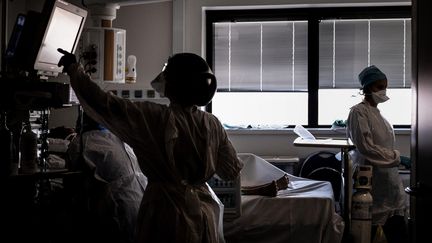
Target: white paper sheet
[(303, 133)]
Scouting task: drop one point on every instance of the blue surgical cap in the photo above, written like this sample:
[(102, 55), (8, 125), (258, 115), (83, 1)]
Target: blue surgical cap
[(370, 75)]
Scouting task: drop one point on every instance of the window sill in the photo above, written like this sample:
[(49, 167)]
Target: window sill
[(290, 131)]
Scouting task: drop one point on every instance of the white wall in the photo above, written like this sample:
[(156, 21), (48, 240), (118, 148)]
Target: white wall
[(148, 37)]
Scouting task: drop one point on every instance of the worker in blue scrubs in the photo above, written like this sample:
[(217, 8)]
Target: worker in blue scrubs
[(179, 148), (374, 139)]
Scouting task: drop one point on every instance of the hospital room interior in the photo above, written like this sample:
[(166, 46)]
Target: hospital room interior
[(290, 76)]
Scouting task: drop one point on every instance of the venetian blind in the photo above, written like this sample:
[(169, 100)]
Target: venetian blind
[(261, 56), (348, 46)]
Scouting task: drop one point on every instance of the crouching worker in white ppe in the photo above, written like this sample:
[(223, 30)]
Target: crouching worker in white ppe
[(114, 185), (179, 148), (374, 139)]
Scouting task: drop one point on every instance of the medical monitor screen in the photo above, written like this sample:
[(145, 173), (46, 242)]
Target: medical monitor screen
[(63, 30)]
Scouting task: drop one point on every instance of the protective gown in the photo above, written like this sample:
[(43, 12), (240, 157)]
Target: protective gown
[(374, 139), (120, 182), (178, 149)]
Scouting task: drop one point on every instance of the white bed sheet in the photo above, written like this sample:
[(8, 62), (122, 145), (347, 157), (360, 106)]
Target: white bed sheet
[(304, 212)]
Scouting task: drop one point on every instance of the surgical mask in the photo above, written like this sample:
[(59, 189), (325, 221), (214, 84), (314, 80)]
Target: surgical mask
[(380, 96)]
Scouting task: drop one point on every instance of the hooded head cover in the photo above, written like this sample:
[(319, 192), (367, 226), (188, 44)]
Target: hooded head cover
[(370, 75), (186, 79)]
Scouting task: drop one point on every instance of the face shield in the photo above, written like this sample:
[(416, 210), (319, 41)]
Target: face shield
[(159, 83)]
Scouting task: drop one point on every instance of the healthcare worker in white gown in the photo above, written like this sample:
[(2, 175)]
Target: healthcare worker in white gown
[(115, 181), (374, 139), (179, 148)]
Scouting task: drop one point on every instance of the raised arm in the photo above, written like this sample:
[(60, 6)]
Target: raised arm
[(122, 117)]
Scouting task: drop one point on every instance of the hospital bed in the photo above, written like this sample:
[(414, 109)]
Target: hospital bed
[(304, 212)]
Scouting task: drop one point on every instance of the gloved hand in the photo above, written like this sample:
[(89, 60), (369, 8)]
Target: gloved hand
[(66, 60), (339, 123), (405, 161)]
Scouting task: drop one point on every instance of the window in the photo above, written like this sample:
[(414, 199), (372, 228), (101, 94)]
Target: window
[(260, 109), (255, 62), (280, 68), (346, 47)]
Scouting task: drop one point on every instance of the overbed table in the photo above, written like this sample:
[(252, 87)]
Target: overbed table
[(345, 144)]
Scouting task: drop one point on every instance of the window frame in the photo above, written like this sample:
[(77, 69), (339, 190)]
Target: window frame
[(313, 16)]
